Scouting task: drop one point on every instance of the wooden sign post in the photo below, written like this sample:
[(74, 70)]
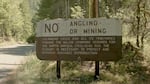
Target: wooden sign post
[(58, 69)]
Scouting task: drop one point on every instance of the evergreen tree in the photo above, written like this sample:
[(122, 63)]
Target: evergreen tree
[(15, 19), (51, 9), (27, 19)]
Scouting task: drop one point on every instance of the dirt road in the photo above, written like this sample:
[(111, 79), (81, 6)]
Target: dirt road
[(11, 57)]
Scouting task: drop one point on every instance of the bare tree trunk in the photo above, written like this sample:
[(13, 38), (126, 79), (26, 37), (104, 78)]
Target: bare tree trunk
[(142, 41), (67, 8), (90, 8), (145, 27), (138, 24), (95, 9)]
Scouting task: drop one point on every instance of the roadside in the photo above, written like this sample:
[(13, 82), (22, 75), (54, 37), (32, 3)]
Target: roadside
[(12, 56), (129, 70)]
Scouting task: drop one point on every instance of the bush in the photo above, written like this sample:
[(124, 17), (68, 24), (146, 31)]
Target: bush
[(31, 39)]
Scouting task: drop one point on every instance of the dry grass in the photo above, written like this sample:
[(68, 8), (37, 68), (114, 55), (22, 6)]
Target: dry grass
[(44, 72)]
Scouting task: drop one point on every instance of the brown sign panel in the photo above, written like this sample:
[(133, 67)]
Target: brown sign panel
[(100, 44), (75, 48)]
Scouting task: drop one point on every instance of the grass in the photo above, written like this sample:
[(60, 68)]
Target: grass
[(35, 71), (5, 43), (128, 70)]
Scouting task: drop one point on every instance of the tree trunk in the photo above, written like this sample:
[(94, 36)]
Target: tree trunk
[(95, 9), (145, 26), (67, 8), (138, 23), (90, 8)]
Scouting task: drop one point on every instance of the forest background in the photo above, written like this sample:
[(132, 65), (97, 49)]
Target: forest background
[(18, 20)]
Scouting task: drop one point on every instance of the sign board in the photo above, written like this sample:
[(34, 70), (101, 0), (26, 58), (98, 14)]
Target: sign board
[(79, 39)]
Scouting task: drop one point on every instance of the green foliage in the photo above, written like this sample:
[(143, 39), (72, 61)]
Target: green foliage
[(131, 12), (52, 9), (15, 19), (77, 12), (133, 68), (31, 39), (132, 63)]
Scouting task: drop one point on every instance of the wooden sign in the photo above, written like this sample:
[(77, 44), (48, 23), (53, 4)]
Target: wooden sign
[(79, 39)]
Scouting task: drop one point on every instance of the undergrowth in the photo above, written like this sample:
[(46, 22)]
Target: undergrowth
[(131, 69)]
